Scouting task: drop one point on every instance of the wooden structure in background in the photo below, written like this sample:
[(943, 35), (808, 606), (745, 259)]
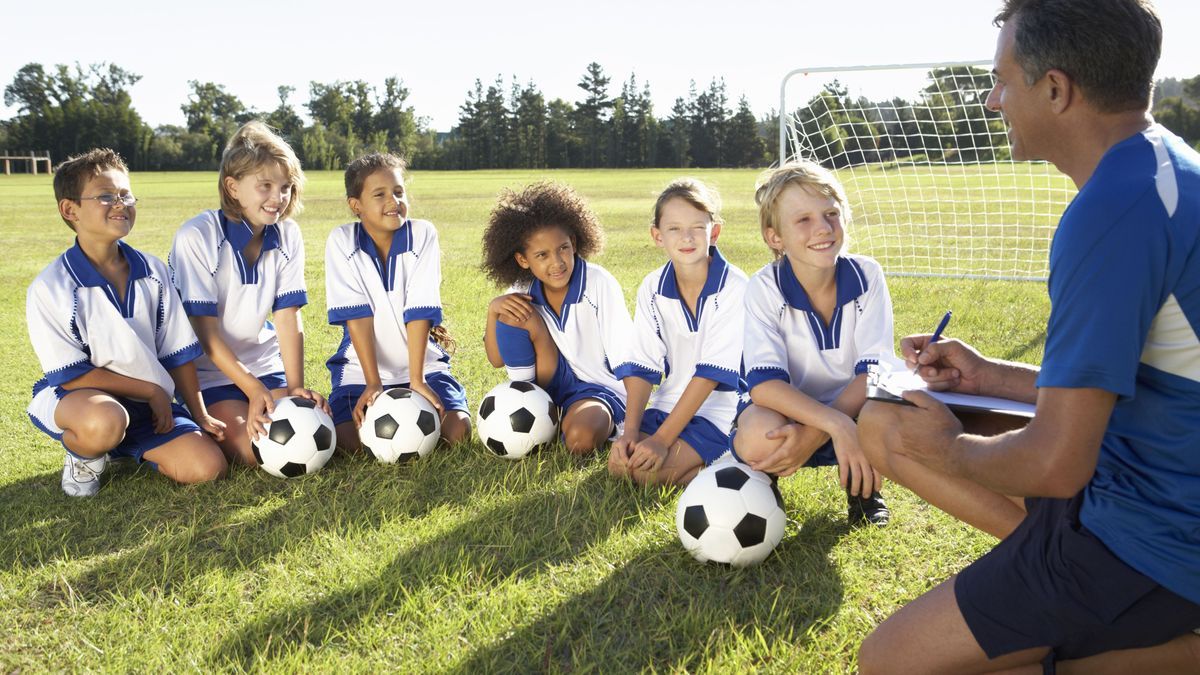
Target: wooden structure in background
[(31, 159)]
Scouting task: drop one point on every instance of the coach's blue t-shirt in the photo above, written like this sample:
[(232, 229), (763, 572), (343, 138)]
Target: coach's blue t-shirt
[(1125, 314)]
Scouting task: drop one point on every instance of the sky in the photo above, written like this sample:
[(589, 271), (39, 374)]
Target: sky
[(439, 49)]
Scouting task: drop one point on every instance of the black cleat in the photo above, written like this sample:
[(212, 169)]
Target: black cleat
[(871, 510)]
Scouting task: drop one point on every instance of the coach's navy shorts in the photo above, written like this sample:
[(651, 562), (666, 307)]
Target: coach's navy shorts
[(231, 392), (1052, 583), (566, 388), (705, 438), (452, 393)]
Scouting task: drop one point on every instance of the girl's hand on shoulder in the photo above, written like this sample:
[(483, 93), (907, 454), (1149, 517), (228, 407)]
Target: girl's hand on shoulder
[(430, 395), (312, 396), (649, 454), (516, 307), (365, 400), (855, 473), (258, 412), (212, 426)]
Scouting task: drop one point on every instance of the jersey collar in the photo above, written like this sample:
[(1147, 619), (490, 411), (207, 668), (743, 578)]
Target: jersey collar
[(851, 283), (668, 285), (85, 274), (575, 289), (239, 233), (402, 240)]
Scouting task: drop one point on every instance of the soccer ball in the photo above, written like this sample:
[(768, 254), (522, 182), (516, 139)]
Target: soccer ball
[(516, 417), (299, 439), (730, 513), (400, 426)]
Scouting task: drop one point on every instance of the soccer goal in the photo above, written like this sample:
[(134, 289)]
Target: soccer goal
[(932, 187)]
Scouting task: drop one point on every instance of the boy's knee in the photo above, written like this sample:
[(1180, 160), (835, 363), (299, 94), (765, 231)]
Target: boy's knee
[(102, 428)]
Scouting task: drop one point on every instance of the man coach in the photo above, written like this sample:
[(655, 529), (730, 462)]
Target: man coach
[(1097, 500)]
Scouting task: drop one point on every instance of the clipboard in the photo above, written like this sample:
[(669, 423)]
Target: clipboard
[(889, 386)]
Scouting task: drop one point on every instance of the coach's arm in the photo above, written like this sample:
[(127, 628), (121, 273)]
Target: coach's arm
[(1053, 456)]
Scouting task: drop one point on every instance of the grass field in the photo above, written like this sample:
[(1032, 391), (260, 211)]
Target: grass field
[(460, 562)]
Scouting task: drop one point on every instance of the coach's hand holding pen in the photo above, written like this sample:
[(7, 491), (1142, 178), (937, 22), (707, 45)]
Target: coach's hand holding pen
[(937, 335)]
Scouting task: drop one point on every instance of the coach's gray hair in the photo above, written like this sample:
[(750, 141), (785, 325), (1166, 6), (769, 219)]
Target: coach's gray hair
[(1110, 48)]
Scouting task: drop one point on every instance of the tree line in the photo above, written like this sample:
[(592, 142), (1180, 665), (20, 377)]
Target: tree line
[(66, 110)]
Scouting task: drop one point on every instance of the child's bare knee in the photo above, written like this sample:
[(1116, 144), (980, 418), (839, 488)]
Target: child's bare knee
[(101, 429)]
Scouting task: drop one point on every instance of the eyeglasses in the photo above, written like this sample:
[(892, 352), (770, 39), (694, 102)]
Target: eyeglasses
[(108, 199)]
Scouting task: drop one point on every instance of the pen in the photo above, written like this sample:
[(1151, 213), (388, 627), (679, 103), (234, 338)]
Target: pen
[(937, 334)]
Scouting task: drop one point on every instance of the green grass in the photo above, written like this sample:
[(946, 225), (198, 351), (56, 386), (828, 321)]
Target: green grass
[(459, 562)]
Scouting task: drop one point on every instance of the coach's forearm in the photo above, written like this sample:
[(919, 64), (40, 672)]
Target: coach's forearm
[(1054, 456), (1008, 379)]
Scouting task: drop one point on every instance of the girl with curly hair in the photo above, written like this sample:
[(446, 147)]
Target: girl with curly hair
[(563, 320)]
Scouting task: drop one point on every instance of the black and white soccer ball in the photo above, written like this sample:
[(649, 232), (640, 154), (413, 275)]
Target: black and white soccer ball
[(399, 426), (516, 417), (299, 439), (730, 513)]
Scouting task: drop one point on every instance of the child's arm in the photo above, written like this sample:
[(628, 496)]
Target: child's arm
[(643, 369), (637, 395), (121, 385), (650, 453), (423, 305), (855, 473), (261, 404), (418, 341), (518, 307), (289, 328), (362, 338), (187, 385)]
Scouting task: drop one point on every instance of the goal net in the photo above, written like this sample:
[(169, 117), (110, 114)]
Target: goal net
[(933, 190)]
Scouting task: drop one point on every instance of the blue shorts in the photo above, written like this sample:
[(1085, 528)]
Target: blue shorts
[(452, 393), (565, 389), (705, 438), (231, 392), (140, 436), (1052, 583)]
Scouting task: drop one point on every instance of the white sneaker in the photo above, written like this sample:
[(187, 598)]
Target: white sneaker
[(81, 477)]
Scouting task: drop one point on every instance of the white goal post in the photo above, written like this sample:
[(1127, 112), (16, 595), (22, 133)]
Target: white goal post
[(933, 190)]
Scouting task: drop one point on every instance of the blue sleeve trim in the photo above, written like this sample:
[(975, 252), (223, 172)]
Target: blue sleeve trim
[(290, 299), (431, 314), (1074, 379), (629, 369), (861, 367), (726, 379), (200, 308), (759, 375), (182, 356), (67, 373), (340, 315)]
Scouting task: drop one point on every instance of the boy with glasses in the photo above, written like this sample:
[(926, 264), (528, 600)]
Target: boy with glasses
[(113, 343)]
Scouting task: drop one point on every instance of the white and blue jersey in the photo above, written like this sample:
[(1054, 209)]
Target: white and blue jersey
[(593, 329), (1125, 314), (671, 345), (404, 288), (78, 321), (786, 339), (215, 280)]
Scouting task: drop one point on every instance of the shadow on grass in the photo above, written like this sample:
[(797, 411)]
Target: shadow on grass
[(531, 531), (148, 534), (662, 610)]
